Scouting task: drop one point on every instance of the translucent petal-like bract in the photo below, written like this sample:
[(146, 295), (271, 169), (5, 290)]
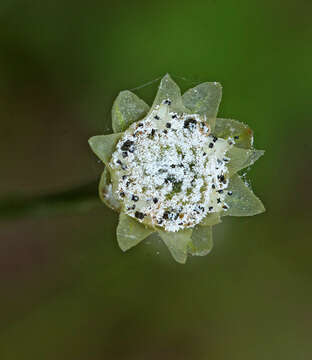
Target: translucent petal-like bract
[(202, 242), (130, 232), (242, 201), (204, 99), (127, 109)]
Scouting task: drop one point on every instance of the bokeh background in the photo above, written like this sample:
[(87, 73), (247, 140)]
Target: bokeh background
[(66, 290)]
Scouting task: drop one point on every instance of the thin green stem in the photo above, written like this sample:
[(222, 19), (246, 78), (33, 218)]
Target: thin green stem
[(78, 200)]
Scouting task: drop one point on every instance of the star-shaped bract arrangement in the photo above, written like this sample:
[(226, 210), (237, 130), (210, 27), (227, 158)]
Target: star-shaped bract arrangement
[(172, 168)]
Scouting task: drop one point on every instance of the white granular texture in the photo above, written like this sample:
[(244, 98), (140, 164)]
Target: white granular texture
[(170, 171)]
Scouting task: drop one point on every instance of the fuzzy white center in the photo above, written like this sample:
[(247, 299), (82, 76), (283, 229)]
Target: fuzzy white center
[(170, 172)]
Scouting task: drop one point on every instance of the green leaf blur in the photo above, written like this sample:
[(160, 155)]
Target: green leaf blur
[(67, 291)]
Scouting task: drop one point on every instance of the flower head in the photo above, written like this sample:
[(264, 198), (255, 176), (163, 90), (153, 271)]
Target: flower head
[(172, 168)]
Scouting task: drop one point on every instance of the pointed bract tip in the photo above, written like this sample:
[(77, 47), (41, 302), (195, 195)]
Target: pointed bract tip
[(216, 83), (91, 140), (167, 77), (123, 92), (182, 262)]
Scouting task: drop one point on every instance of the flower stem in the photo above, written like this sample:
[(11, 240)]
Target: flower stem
[(72, 201)]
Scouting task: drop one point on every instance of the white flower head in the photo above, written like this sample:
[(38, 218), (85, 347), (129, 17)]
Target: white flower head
[(172, 168)]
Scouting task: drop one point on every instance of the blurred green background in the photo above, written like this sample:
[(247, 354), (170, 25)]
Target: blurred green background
[(67, 291)]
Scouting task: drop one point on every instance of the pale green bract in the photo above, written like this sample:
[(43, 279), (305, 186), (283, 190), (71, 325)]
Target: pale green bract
[(106, 193), (228, 128), (130, 232), (103, 146), (211, 219), (242, 158), (168, 89), (127, 109), (201, 243), (204, 100), (242, 202), (177, 243)]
